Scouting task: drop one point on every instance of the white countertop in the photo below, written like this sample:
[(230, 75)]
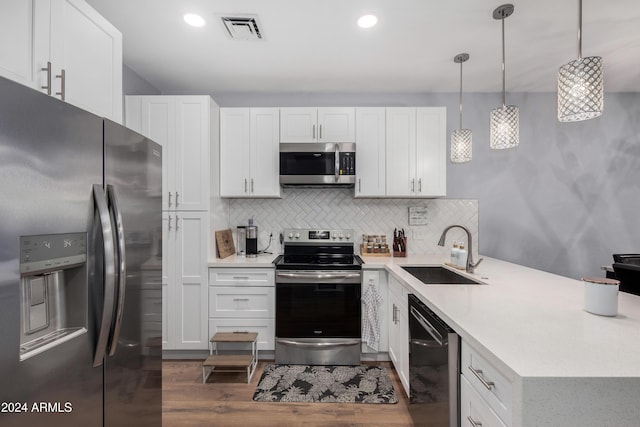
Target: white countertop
[(532, 322), (262, 260)]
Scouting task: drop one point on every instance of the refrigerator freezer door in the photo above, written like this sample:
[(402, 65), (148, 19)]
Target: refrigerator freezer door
[(133, 176), (50, 155)]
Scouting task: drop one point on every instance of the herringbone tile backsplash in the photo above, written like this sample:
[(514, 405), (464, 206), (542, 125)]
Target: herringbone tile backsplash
[(336, 208)]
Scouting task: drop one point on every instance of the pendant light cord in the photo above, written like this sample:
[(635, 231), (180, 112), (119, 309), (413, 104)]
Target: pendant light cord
[(504, 96), (460, 94), (579, 29)]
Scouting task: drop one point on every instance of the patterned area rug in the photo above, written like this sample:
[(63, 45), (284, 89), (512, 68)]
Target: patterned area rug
[(343, 384)]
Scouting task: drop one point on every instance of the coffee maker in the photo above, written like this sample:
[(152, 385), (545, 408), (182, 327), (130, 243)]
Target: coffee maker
[(252, 240)]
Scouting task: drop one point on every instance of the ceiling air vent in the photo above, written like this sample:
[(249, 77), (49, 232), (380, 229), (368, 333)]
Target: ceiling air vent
[(242, 27)]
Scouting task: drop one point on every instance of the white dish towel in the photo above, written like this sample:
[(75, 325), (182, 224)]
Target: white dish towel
[(371, 325)]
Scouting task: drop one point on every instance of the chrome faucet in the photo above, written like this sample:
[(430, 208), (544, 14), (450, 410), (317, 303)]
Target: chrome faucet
[(470, 265)]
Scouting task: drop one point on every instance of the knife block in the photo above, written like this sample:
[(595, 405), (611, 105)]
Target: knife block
[(400, 242)]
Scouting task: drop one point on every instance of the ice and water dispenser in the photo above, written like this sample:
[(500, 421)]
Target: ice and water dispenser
[(53, 290)]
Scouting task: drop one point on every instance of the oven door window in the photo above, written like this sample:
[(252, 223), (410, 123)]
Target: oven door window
[(307, 163), (317, 310)]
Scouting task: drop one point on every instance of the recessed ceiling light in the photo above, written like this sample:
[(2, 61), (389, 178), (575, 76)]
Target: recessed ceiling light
[(367, 21), (194, 20)]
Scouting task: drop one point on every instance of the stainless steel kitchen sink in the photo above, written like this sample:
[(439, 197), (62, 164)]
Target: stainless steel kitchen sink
[(439, 276)]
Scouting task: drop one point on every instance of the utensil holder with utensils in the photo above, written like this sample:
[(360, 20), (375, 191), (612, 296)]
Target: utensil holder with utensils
[(399, 243)]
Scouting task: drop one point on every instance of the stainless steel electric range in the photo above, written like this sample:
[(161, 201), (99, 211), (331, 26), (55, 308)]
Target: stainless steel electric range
[(318, 289)]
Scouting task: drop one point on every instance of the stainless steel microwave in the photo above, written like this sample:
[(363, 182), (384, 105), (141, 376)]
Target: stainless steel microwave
[(317, 164)]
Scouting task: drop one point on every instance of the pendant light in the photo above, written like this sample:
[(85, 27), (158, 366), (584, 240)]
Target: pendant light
[(580, 85), (504, 123), (461, 138)]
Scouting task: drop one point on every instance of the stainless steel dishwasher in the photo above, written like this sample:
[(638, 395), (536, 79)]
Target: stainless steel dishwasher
[(434, 368)]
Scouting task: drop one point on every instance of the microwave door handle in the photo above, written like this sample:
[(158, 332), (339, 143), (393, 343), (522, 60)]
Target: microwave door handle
[(337, 170)]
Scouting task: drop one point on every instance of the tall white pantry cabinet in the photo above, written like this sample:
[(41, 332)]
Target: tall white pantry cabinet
[(186, 127)]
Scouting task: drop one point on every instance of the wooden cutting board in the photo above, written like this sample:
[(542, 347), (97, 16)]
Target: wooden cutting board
[(224, 243)]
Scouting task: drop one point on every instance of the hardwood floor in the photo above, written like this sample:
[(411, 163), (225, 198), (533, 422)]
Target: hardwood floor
[(226, 400)]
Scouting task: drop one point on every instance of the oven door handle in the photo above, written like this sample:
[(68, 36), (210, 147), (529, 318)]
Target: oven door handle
[(318, 344), (314, 276)]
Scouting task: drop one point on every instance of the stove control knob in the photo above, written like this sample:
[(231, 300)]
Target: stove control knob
[(341, 236), (297, 235), (334, 236), (291, 235), (348, 236)]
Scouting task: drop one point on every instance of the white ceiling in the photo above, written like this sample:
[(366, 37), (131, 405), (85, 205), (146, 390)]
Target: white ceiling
[(315, 45)]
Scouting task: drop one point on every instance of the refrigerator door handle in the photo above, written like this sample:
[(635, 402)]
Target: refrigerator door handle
[(121, 268), (109, 274)]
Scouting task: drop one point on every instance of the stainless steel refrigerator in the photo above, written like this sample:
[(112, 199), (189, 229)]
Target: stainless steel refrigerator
[(80, 267)]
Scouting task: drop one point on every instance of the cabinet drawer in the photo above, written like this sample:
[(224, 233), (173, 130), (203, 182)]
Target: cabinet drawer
[(242, 302), (473, 409), (266, 329), (480, 373), (241, 277)]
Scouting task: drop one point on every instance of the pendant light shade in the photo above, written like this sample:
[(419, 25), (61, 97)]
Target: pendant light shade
[(580, 85), (461, 138), (504, 121)]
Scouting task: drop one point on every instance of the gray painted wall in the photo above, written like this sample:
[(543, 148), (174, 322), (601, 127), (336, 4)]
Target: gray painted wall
[(563, 201)]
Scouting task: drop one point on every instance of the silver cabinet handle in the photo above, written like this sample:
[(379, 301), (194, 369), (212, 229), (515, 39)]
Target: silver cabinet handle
[(245, 185), (473, 422), (314, 132), (359, 186), (169, 226), (241, 299), (252, 185), (62, 78), (177, 222), (320, 133), (169, 200), (413, 185), (112, 197), (48, 70), (393, 314), (420, 185), (240, 277), (109, 274), (177, 196), (478, 373)]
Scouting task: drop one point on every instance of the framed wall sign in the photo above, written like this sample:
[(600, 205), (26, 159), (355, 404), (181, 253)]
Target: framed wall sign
[(417, 215)]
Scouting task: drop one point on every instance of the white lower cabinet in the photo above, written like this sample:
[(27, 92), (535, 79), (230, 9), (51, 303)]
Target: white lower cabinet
[(184, 280), (399, 330), (489, 394), (474, 411), (243, 300)]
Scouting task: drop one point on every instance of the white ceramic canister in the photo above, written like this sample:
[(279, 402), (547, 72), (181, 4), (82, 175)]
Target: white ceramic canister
[(601, 296)]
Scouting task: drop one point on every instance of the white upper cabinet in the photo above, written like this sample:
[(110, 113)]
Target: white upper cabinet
[(416, 152), (17, 34), (249, 155), (326, 124), (65, 49), (182, 125), (370, 152)]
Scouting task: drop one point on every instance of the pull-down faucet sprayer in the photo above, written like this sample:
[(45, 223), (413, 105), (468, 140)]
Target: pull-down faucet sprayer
[(470, 265)]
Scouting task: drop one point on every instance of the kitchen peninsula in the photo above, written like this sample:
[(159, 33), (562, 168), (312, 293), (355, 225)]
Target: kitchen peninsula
[(564, 366)]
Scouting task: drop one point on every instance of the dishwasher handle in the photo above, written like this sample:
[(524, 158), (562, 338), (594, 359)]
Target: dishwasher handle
[(431, 330)]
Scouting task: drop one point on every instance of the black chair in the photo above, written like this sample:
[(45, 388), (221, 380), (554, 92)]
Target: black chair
[(629, 277), (627, 258)]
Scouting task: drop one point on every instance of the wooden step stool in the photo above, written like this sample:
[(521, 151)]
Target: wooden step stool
[(231, 362)]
